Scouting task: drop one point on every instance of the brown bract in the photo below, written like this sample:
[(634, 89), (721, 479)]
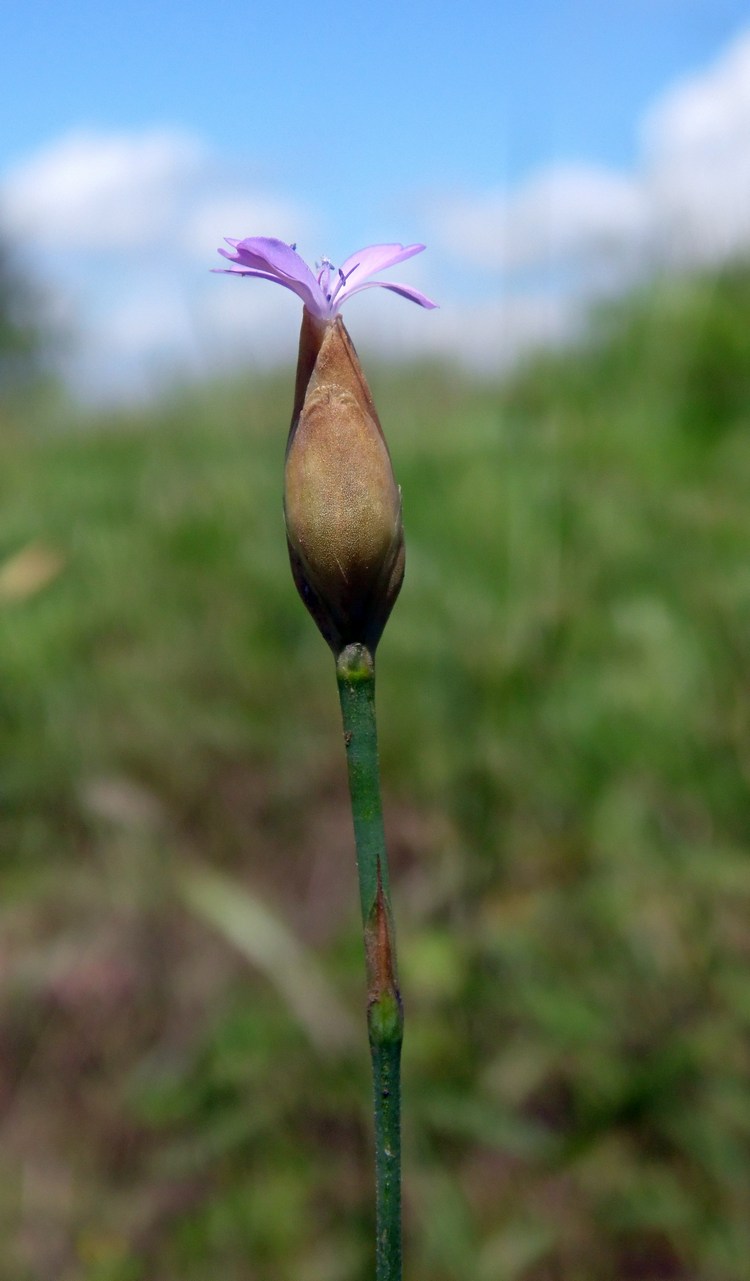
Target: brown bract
[(341, 501)]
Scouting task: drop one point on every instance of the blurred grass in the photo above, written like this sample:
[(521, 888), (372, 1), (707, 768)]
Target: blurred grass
[(564, 707)]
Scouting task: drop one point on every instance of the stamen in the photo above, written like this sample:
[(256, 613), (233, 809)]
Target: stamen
[(326, 267), (342, 280)]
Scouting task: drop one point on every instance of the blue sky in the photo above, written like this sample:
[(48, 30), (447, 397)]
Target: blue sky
[(453, 124)]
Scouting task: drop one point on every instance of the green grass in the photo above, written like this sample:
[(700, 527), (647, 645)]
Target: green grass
[(564, 709)]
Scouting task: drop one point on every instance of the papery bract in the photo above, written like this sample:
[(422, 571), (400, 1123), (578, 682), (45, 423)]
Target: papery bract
[(341, 502)]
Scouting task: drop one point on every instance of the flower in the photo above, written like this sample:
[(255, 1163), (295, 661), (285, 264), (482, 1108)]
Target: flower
[(324, 294), (342, 505)]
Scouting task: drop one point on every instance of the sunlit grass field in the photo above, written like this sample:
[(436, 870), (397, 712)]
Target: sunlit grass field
[(564, 702)]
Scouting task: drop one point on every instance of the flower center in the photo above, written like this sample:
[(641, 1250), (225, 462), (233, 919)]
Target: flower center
[(325, 267), (325, 270)]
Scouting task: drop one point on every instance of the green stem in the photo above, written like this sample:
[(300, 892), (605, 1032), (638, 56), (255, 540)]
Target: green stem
[(355, 671)]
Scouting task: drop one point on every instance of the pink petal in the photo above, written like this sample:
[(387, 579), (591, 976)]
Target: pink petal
[(275, 260), (375, 258), (405, 291)]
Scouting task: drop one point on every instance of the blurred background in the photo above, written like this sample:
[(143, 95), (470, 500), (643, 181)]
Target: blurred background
[(564, 688)]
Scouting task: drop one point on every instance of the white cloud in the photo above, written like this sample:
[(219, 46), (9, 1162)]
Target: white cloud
[(97, 191), (148, 320), (705, 114), (89, 192), (696, 143), (687, 201), (129, 345), (561, 213), (157, 204), (487, 337)]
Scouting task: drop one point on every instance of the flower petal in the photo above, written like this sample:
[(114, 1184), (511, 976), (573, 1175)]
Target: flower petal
[(265, 275), (375, 258), (355, 271), (274, 260), (405, 291)]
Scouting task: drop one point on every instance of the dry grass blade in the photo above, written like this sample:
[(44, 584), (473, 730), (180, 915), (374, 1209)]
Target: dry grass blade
[(269, 944), (29, 571)]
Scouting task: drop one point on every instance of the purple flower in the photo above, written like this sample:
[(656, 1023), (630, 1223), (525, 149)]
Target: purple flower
[(323, 294)]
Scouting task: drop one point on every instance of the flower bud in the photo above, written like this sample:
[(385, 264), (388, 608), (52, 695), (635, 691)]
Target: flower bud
[(341, 501)]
